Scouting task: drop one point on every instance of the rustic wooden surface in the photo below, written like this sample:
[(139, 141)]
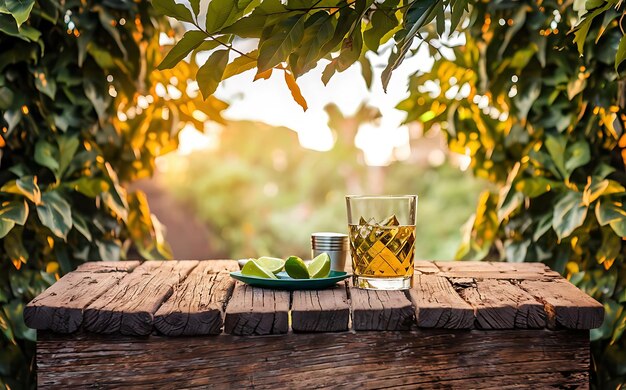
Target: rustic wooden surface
[(60, 307), (320, 310), (461, 325), (437, 305), (432, 358), (565, 304), (129, 306), (196, 306), (199, 298), (257, 311)]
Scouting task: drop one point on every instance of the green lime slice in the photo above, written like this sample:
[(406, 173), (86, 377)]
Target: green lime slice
[(273, 264), (252, 268), (296, 268), (320, 266)]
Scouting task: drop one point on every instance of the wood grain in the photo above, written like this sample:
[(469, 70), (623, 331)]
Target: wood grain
[(425, 267), (437, 305), (430, 358), (60, 307), (257, 311), (499, 304), (565, 304), (196, 306), (108, 266), (129, 306), (380, 310), (495, 270), (320, 310)]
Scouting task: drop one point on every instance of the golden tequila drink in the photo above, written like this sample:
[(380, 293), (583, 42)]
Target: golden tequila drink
[(382, 240), (382, 251)]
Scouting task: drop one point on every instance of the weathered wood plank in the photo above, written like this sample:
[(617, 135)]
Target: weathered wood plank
[(196, 306), (565, 304), (430, 358), (108, 266), (499, 304), (495, 270), (60, 307), (425, 267), (257, 311), (437, 305), (380, 310), (320, 310), (129, 306)]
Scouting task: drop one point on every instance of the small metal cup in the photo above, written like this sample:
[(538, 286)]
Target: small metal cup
[(336, 245)]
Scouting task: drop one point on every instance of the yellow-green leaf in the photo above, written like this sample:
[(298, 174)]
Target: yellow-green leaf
[(191, 40), (210, 74), (240, 64)]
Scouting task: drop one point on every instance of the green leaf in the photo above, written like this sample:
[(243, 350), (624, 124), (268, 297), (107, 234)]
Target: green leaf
[(221, 13), (284, 39), (80, 224), (26, 186), (173, 9), (382, 23), (5, 227), (608, 211), (240, 64), (47, 155), (67, 149), (576, 156), (366, 71), (20, 9), (14, 247), (89, 186), (328, 72), (556, 147), (191, 40), (458, 8), (543, 225), (55, 213), (45, 84), (535, 186), (620, 56), (581, 35), (619, 227), (248, 27), (508, 201), (569, 214), (319, 29), (16, 211), (526, 98), (210, 74), (350, 50), (610, 247)]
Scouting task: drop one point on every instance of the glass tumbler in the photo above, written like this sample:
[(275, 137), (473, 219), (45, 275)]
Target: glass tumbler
[(382, 240)]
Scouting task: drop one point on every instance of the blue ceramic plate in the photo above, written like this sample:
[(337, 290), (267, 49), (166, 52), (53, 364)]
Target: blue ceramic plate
[(285, 282)]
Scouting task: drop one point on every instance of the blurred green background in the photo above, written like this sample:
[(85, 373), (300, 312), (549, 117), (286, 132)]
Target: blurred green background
[(268, 200)]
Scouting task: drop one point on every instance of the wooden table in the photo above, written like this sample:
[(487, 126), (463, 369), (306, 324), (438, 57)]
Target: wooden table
[(178, 324)]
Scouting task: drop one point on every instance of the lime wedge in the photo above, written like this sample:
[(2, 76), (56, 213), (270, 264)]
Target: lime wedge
[(296, 268), (320, 266), (273, 264), (252, 268)]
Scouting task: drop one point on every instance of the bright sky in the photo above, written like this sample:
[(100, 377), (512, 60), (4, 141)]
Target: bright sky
[(270, 101)]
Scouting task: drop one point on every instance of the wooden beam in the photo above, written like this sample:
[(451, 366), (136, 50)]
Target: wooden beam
[(380, 310), (430, 358)]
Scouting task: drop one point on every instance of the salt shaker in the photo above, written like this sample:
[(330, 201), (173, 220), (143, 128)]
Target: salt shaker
[(336, 245)]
